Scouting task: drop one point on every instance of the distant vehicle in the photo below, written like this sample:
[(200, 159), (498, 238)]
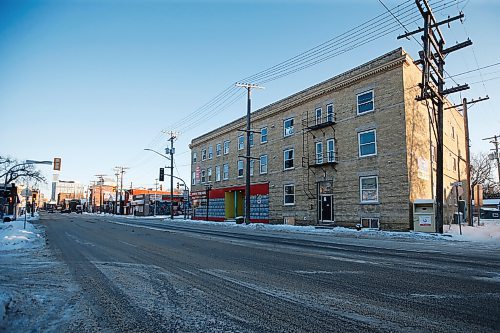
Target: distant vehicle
[(66, 211), (79, 209)]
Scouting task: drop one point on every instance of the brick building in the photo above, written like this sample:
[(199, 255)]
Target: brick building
[(354, 149)]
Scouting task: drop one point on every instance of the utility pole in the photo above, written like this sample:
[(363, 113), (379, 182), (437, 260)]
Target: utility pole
[(171, 152), (494, 141), (121, 170), (115, 210), (101, 181), (156, 190), (248, 156), (432, 60)]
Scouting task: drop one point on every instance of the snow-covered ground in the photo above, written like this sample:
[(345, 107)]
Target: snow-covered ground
[(14, 236), (488, 231)]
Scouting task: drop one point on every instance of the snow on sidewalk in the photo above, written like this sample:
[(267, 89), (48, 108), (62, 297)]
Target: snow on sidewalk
[(13, 236), (488, 231)]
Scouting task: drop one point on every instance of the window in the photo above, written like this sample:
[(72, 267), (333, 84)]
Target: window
[(195, 158), (193, 178), (203, 154), (209, 174), (263, 164), (251, 167), (210, 152), (251, 139), (225, 171), (368, 187), (367, 143), (319, 152), (365, 102), (263, 135), (218, 149), (433, 153), (329, 113), (203, 176), (452, 132), (330, 150), (289, 195), (454, 164), (288, 159), (217, 173), (318, 113), (288, 127), (241, 142), (370, 223), (226, 147), (240, 168)]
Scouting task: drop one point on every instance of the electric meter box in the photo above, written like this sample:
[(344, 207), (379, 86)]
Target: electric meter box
[(424, 215)]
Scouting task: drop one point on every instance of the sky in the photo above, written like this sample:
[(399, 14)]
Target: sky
[(97, 82)]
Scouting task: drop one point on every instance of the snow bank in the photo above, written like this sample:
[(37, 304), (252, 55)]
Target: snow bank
[(13, 236), (488, 231)]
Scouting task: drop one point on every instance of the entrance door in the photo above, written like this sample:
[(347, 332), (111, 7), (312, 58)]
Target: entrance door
[(326, 208)]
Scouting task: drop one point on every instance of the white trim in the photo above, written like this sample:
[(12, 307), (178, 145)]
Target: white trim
[(320, 153), (267, 133), (361, 190), (328, 151), (242, 169), (260, 164), (291, 129), (359, 143), (372, 101), (284, 159), (284, 194)]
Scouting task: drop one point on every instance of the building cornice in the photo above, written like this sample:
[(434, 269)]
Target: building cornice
[(333, 84)]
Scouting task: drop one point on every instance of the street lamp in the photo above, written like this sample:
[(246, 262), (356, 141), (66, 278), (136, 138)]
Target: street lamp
[(154, 151)]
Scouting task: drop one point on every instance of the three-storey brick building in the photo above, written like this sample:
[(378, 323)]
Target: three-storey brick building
[(355, 149)]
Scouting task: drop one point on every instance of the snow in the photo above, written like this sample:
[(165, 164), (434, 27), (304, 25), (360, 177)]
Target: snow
[(488, 231), (14, 236)]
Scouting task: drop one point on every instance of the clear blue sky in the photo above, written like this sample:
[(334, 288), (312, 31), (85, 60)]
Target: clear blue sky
[(95, 82)]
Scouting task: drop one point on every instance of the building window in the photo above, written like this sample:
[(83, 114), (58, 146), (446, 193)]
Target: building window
[(263, 135), (370, 223), (209, 174), (365, 102), (288, 127), (319, 152), (289, 195), (226, 147), (203, 154), (251, 139), (218, 149), (240, 168), (241, 142), (225, 171), (329, 113), (318, 113), (433, 153), (203, 176), (217, 173), (368, 188), (195, 157), (454, 164), (452, 132), (193, 178), (251, 167), (210, 152), (367, 143), (330, 150), (288, 159), (263, 164)]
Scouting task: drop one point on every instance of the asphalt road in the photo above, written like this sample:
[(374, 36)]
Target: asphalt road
[(159, 276)]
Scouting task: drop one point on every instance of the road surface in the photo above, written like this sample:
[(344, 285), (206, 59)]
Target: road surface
[(135, 275)]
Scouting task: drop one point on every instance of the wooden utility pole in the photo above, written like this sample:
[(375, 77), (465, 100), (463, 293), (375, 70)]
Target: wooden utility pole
[(432, 60)]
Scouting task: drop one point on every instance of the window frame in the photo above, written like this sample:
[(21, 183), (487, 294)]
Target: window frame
[(361, 190), (226, 147), (285, 195), (210, 152), (372, 100), (374, 142), (195, 157), (285, 159), (263, 137), (204, 154), (218, 149), (209, 174), (242, 169), (217, 173), (241, 142), (225, 176), (193, 178), (251, 167), (330, 106), (318, 156), (291, 128), (328, 151), (318, 119), (203, 176), (370, 220), (266, 164)]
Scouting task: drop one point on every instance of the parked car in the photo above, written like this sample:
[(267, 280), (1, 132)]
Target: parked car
[(79, 209)]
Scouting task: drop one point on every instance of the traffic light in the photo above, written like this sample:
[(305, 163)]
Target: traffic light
[(162, 174), (57, 163), (177, 185)]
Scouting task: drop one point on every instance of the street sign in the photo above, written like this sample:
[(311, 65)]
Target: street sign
[(457, 184)]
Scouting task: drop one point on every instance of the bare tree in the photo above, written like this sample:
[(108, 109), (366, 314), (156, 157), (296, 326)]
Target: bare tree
[(11, 170), (481, 169)]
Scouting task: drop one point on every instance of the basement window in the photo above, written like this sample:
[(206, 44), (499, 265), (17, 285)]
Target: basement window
[(370, 223)]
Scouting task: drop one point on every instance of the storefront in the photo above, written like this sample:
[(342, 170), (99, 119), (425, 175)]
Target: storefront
[(228, 203)]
